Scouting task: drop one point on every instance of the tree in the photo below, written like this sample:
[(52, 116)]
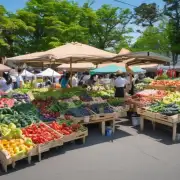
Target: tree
[(11, 31), (154, 39), (146, 14), (111, 23), (55, 23), (172, 10), (125, 42)]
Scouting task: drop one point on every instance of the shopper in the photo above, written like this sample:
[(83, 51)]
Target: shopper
[(65, 81), (112, 79), (6, 83), (86, 77), (19, 79), (120, 84), (14, 74), (48, 81), (74, 80)]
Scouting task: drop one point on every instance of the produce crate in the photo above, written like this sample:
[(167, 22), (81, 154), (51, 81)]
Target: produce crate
[(172, 119), (145, 112), (48, 145), (104, 116), (6, 160), (121, 108), (67, 138), (122, 114), (75, 136), (80, 134)]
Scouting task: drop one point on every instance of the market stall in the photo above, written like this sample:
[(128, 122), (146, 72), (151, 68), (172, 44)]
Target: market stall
[(31, 126), (113, 68), (26, 73), (48, 73)]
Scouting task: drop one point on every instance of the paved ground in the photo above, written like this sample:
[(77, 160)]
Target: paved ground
[(130, 156)]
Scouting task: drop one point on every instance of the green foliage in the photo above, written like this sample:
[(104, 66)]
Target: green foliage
[(111, 24), (172, 10), (146, 14), (45, 24), (153, 39)]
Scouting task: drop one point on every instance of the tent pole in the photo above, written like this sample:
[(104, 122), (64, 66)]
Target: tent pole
[(71, 71)]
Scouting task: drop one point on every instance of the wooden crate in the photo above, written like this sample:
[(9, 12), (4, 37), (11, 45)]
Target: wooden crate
[(75, 136), (68, 138), (122, 114), (172, 119), (6, 160), (80, 134), (146, 112), (104, 116)]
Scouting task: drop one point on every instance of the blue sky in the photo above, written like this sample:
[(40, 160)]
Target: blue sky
[(13, 5)]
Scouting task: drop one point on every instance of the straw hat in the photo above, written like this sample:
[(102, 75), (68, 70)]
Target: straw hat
[(119, 72)]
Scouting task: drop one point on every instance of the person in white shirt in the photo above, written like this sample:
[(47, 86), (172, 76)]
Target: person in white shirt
[(6, 84), (74, 81), (19, 79), (119, 84), (86, 77), (14, 74)]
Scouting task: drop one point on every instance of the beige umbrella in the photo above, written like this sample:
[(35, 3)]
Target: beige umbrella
[(77, 66), (77, 52), (124, 51), (4, 68), (140, 58), (68, 53), (32, 57)]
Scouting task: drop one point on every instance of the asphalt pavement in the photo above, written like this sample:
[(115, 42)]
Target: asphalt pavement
[(127, 155)]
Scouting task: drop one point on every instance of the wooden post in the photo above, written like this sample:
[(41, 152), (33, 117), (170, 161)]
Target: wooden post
[(71, 72), (174, 132), (42, 66)]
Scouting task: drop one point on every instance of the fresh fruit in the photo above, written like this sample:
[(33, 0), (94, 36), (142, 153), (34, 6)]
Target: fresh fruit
[(6, 102), (40, 133), (10, 131), (16, 147)]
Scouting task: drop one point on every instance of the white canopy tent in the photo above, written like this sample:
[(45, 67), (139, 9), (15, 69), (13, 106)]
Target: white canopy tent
[(27, 73), (48, 73)]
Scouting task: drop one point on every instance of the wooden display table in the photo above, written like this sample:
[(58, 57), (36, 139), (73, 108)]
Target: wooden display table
[(168, 122), (102, 123)]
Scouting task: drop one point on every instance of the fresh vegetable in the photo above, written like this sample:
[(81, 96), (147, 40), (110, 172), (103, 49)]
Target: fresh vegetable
[(101, 108), (61, 128), (140, 86), (174, 83), (40, 133), (78, 112), (16, 147), (10, 131), (116, 102), (20, 119), (166, 109), (147, 80), (6, 102), (66, 127)]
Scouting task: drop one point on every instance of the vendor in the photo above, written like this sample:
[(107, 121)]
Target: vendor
[(119, 84)]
